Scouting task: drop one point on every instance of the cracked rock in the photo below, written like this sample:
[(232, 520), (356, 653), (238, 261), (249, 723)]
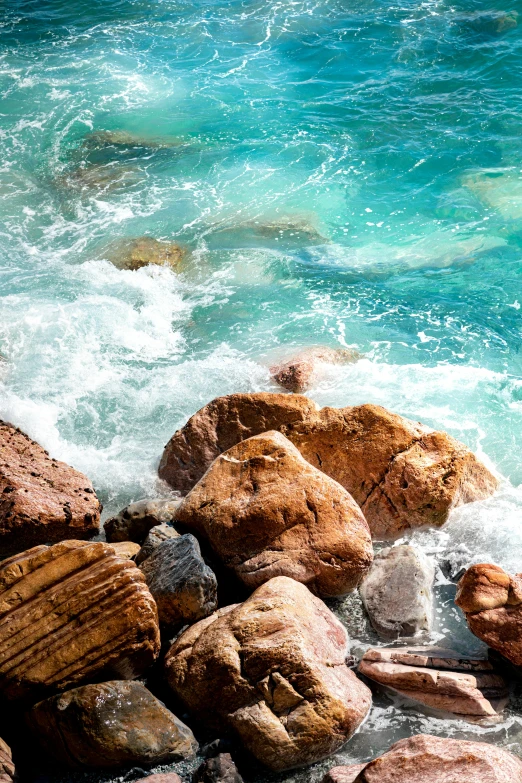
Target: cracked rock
[(7, 769)]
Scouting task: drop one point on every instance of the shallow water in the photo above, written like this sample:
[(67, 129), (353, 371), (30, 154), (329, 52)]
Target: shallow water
[(342, 173)]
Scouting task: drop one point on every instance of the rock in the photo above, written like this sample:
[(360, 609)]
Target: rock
[(427, 759), (183, 586), (220, 769), (267, 512), (348, 774), (466, 687), (7, 768), (155, 536), (97, 179), (109, 725), (127, 550), (297, 373), (134, 522), (277, 663), (161, 777), (492, 603), (41, 500), (135, 253), (71, 612), (403, 475), (397, 593)]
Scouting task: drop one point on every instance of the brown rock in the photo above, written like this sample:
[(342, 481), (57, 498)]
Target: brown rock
[(220, 769), (297, 373), (401, 474), (71, 612), (427, 759), (127, 550), (492, 603), (277, 662), (348, 774), (134, 522), (134, 253), (267, 512), (7, 768), (41, 500), (109, 725)]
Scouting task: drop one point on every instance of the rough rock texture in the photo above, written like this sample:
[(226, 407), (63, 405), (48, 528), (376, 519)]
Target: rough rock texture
[(127, 550), (267, 512), (348, 774), (220, 769), (277, 662), (161, 777), (41, 500), (403, 475), (297, 373), (397, 593), (134, 522), (427, 759), (7, 769), (468, 688), (183, 586), (155, 536), (109, 725), (70, 612), (492, 603), (134, 253)]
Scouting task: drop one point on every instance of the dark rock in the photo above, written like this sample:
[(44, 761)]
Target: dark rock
[(155, 536), (220, 769), (134, 522)]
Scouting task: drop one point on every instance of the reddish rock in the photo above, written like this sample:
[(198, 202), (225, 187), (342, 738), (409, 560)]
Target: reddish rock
[(297, 373), (41, 500), (348, 774), (7, 768), (161, 777)]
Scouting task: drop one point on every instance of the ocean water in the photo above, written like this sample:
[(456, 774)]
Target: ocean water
[(341, 173)]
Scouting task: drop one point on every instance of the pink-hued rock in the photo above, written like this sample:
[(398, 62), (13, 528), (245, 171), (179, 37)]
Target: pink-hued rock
[(161, 777), (348, 774), (296, 374), (7, 768)]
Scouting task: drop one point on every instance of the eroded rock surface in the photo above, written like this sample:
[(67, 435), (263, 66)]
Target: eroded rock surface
[(7, 768), (277, 662), (220, 769), (297, 373), (155, 536), (127, 550), (134, 522), (135, 253)]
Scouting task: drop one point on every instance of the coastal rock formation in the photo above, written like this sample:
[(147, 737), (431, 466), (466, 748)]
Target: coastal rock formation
[(135, 253), (109, 725), (183, 586), (437, 678), (220, 769), (155, 536), (134, 522), (71, 612), (427, 759), (397, 593), (127, 550), (297, 373), (267, 512), (403, 475), (277, 662), (492, 603), (7, 768), (41, 500)]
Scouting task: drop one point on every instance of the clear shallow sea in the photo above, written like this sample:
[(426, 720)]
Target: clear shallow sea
[(343, 173)]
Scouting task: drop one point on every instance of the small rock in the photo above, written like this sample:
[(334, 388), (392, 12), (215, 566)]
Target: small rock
[(297, 373), (134, 522), (397, 593), (135, 253), (127, 550), (348, 774), (220, 769), (7, 768), (99, 179), (183, 586), (109, 725), (155, 536), (161, 777)]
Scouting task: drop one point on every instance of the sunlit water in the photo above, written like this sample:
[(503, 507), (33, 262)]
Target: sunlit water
[(343, 173)]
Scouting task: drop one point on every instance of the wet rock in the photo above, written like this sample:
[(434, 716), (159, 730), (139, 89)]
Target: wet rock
[(134, 522), (348, 774), (100, 179), (403, 475), (126, 140), (220, 769), (161, 777), (7, 768), (41, 500), (297, 373), (427, 759), (127, 550), (183, 586), (468, 688), (135, 253), (277, 663), (492, 603), (154, 538), (70, 612), (109, 725), (267, 512)]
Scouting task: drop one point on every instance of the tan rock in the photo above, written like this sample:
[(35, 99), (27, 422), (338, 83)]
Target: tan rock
[(267, 512), (41, 500), (273, 670), (71, 612), (297, 373), (401, 474), (135, 253), (127, 550), (161, 777), (7, 768)]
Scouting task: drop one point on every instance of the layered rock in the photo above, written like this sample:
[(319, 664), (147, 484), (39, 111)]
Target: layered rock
[(492, 603), (109, 725), (127, 550), (267, 512), (403, 475), (71, 612), (297, 373), (427, 759), (155, 536), (220, 769), (398, 592), (277, 662), (135, 253), (41, 500), (7, 768), (134, 522)]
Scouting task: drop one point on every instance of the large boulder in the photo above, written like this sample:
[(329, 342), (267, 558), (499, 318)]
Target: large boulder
[(135, 521), (403, 475), (267, 512), (427, 759), (41, 500), (109, 725), (272, 670), (71, 612), (297, 373), (492, 603), (7, 768)]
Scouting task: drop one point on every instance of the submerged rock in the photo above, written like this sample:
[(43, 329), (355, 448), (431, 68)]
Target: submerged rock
[(134, 522), (134, 254), (42, 500), (154, 538), (109, 725), (100, 179), (7, 768), (397, 593), (220, 769), (277, 231), (267, 512), (297, 373), (127, 140), (277, 662)]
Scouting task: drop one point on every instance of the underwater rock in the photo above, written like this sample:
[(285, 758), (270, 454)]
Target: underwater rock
[(296, 374), (100, 179), (154, 538), (398, 592), (69, 612), (267, 512), (134, 522), (499, 188), (273, 670), (278, 231), (7, 768), (127, 550), (134, 254), (220, 769), (402, 474), (109, 725), (42, 500), (126, 140)]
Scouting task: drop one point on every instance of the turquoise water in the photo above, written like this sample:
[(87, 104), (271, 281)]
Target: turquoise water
[(342, 173)]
